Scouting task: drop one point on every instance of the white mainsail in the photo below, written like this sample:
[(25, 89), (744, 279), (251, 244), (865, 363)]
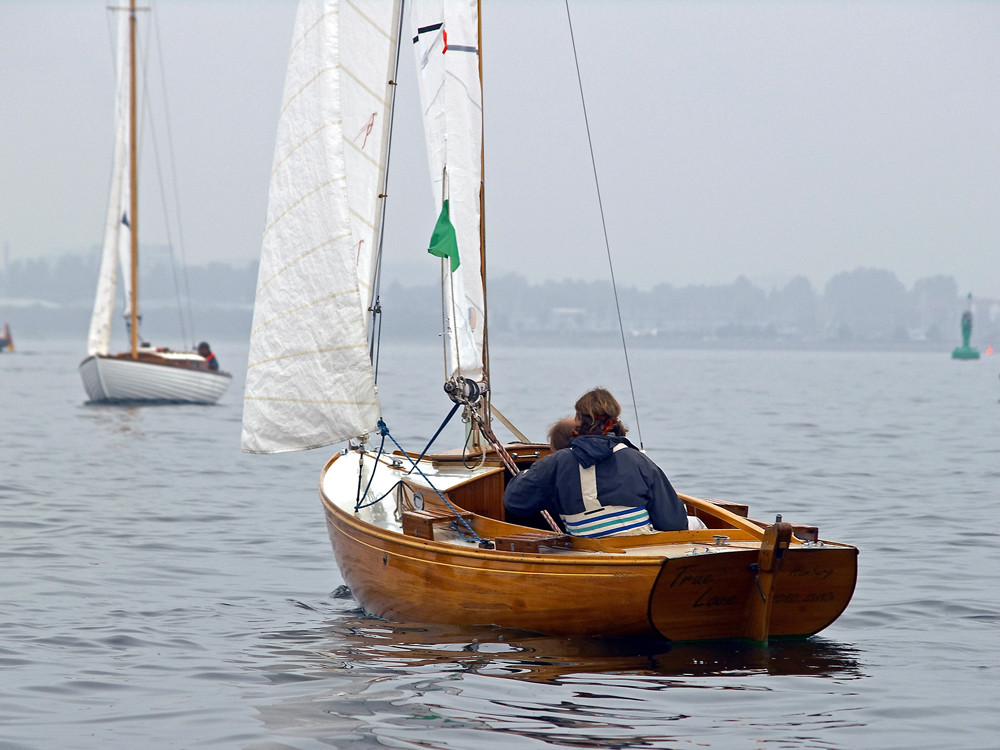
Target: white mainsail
[(117, 228), (309, 377), (446, 42)]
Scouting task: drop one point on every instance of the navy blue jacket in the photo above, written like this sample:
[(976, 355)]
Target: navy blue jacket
[(624, 477)]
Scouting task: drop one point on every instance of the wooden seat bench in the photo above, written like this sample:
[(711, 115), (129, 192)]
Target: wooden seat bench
[(420, 523)]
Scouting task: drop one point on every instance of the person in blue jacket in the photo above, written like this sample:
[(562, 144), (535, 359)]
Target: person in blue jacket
[(602, 485)]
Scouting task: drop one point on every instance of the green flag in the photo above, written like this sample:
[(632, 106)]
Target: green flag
[(444, 243)]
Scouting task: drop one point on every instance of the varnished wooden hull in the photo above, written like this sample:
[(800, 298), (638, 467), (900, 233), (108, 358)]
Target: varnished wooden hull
[(411, 580), (686, 588)]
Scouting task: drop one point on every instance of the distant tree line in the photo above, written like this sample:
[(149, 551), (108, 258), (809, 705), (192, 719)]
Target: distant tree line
[(871, 307), (53, 297), (860, 307), (72, 278)]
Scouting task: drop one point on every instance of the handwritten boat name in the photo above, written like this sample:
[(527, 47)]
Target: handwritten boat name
[(688, 577), (706, 598)]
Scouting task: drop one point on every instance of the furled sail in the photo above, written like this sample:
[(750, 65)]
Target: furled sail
[(309, 378), (446, 42), (117, 227)]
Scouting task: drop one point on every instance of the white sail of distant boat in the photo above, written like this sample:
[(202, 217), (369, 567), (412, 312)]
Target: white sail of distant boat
[(144, 373), (117, 230), (424, 537)]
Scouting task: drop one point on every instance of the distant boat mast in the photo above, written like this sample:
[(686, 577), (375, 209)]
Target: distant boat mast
[(134, 192)]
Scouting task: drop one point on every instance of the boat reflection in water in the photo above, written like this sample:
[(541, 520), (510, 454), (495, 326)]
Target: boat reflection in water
[(499, 652), (361, 681), (360, 643)]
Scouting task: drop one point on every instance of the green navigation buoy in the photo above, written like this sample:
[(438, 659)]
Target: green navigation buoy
[(965, 351)]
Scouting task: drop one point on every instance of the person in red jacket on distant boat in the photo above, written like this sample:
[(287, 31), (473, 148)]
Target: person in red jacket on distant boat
[(206, 351)]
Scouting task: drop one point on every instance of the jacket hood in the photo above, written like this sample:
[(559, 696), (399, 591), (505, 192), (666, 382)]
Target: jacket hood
[(591, 449)]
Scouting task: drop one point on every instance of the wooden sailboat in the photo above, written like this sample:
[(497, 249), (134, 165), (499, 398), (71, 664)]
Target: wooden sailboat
[(143, 373), (424, 538)]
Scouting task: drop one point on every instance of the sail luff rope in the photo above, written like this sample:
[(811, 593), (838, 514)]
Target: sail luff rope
[(113, 47), (604, 225), (375, 339)]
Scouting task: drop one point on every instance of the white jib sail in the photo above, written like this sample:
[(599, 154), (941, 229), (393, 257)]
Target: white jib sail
[(117, 224), (309, 378), (446, 42)]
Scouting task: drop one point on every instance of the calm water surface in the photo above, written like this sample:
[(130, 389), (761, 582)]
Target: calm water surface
[(160, 589)]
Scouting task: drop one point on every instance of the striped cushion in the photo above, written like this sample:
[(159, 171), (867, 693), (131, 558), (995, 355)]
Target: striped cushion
[(609, 520)]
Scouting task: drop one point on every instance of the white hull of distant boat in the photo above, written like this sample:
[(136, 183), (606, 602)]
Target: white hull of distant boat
[(109, 379)]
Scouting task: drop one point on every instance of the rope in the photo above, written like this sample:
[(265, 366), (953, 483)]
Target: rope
[(446, 421), (604, 223), (187, 325), (381, 450), (385, 433), (471, 441)]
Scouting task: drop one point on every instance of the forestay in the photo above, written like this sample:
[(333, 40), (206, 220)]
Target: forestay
[(309, 378), (446, 43), (117, 225)]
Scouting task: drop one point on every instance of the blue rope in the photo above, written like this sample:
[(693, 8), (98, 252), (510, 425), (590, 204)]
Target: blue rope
[(357, 501), (385, 433), (431, 441)]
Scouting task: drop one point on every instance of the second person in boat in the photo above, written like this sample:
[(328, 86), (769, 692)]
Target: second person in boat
[(602, 485), (561, 433)]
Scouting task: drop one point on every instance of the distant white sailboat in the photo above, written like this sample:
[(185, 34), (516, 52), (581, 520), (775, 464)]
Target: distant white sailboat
[(144, 373)]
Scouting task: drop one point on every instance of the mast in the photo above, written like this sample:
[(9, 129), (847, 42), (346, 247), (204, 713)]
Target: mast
[(482, 196), (133, 192), (487, 412)]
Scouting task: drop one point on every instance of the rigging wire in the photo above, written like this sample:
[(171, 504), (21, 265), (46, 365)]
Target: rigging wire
[(148, 114), (604, 224), (416, 467), (177, 203)]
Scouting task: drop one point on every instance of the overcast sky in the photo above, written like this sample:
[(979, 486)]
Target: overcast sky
[(768, 139)]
